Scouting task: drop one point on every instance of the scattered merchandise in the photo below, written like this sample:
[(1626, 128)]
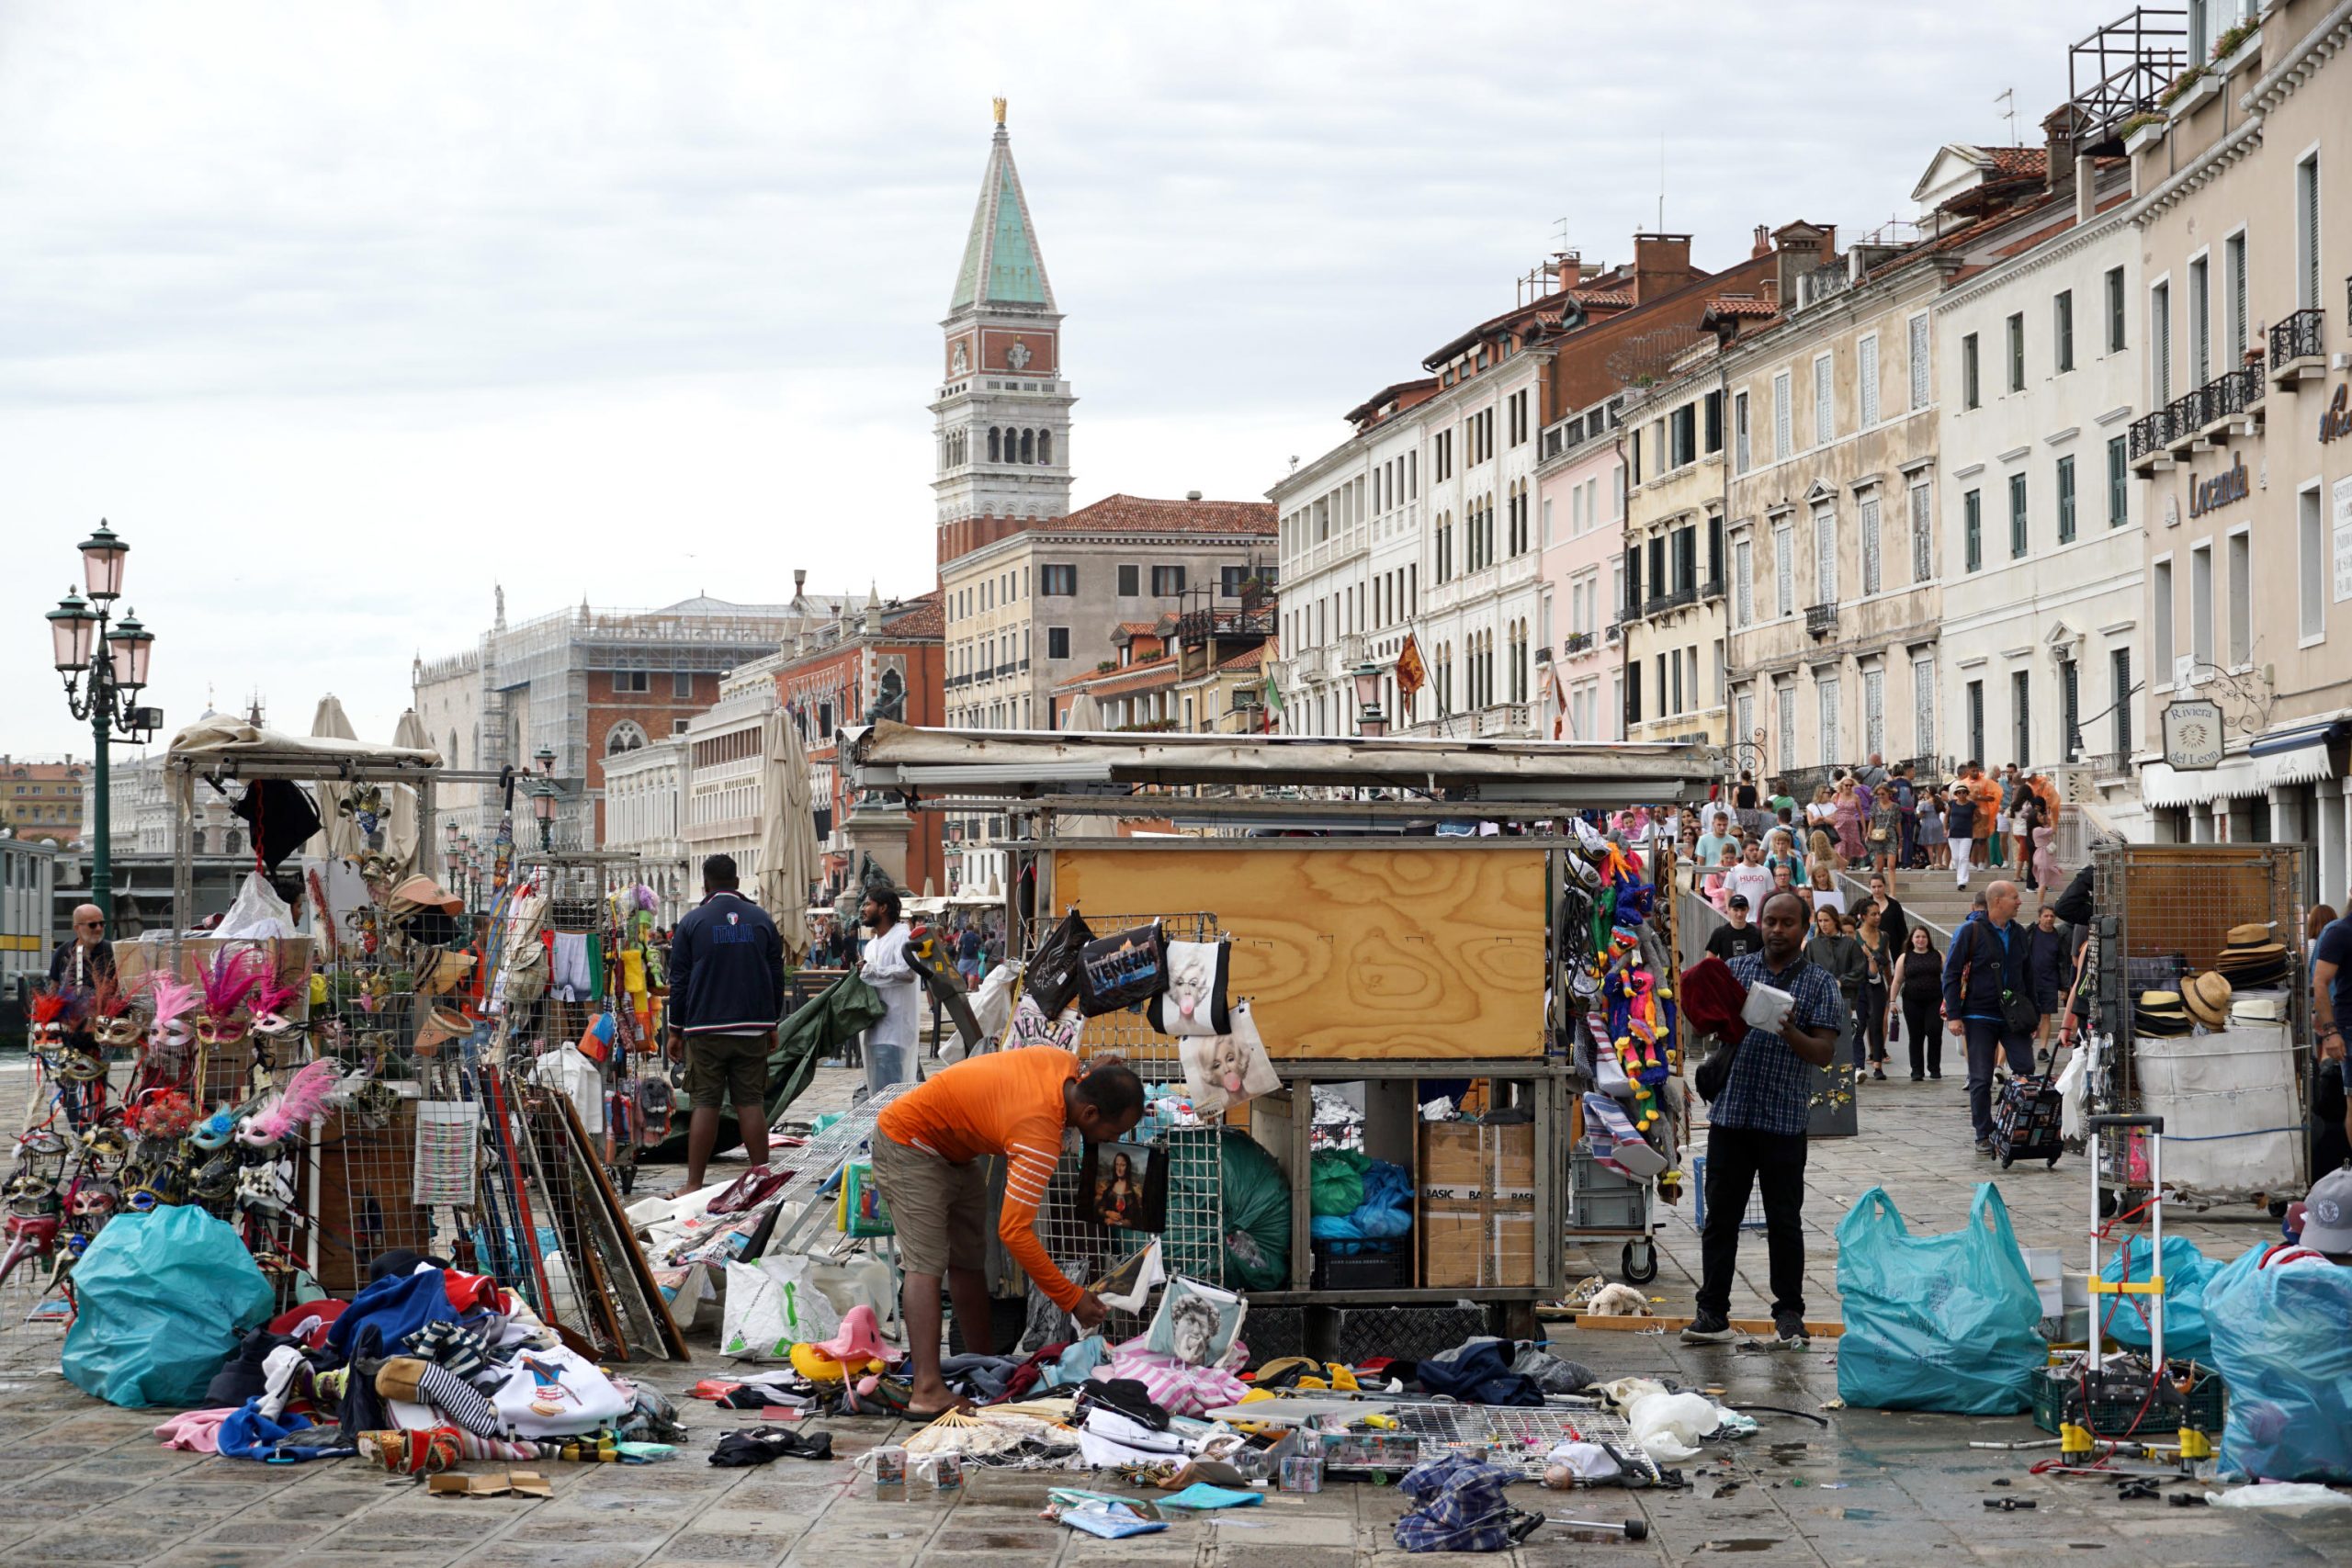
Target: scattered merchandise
[(1097, 1514), (1459, 1505), (1301, 1472), (890, 1475), (163, 1300), (2281, 1494), (1129, 1284), (496, 1483), (2276, 1321), (1196, 1324), (765, 1444), (1202, 1496)]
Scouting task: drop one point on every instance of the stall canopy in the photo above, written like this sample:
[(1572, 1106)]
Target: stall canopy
[(237, 750), (1030, 762)]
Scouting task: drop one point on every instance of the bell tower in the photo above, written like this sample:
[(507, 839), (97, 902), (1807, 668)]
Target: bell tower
[(1001, 416)]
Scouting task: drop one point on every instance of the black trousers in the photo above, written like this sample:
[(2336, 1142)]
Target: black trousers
[(1739, 1159), (1924, 1023), (1869, 1011), (1988, 1039)]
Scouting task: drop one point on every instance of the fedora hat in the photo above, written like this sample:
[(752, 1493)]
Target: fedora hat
[(2249, 934), (2257, 1010), (2207, 997), (2161, 1012)]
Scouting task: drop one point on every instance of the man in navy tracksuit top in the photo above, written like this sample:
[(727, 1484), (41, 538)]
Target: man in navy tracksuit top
[(1987, 958), (726, 999)]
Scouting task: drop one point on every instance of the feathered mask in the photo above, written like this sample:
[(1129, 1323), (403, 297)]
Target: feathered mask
[(304, 1098), (56, 1012), (173, 999), (227, 982), (269, 1002), (111, 1016)]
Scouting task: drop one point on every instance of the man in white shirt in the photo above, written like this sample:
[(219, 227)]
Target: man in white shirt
[(1751, 878), (890, 1043)]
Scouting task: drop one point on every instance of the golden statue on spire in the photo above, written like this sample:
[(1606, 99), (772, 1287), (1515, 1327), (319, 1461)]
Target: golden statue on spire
[(1000, 109)]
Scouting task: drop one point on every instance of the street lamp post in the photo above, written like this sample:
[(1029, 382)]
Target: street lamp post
[(104, 667), (544, 797), (1370, 721)]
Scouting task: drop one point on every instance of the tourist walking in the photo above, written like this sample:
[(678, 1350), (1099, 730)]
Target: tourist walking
[(1831, 950), (1919, 991), (1869, 933), (1884, 833), (1988, 1001), (1756, 1131), (1928, 829), (1959, 825), (1850, 808), (2048, 968)]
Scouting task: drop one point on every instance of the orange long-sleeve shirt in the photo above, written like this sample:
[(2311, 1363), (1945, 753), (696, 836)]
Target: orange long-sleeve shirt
[(1009, 1103)]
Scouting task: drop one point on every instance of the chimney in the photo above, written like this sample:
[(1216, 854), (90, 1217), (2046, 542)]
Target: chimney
[(1661, 263), (2085, 197), (1567, 269), (800, 583), (1763, 245), (1191, 495)]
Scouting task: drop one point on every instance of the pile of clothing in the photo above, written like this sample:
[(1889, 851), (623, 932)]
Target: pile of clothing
[(426, 1366)]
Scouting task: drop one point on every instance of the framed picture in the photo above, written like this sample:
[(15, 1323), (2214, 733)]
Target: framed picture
[(1125, 1186)]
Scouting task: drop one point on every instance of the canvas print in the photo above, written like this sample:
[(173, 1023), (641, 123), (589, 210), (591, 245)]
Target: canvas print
[(1120, 1186), (1196, 1324), (1224, 1070)]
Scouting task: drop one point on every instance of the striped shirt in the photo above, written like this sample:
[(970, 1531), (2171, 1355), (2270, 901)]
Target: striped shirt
[(1008, 1103)]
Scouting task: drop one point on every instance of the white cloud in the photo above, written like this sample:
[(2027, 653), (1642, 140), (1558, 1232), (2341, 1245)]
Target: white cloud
[(343, 313)]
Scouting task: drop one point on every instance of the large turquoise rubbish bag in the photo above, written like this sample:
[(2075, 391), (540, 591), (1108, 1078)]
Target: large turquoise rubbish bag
[(162, 1300), (2186, 1273), (2284, 1355), (1936, 1321)]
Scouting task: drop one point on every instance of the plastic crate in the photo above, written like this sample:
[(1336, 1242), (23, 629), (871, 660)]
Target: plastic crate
[(1273, 1333), (1601, 1198), (1752, 1221), (1406, 1332), (1359, 1272), (2115, 1407)]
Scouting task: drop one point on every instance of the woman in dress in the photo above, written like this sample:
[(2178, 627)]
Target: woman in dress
[(1849, 810), (2046, 869), (1871, 1011), (1886, 834), (1931, 830)]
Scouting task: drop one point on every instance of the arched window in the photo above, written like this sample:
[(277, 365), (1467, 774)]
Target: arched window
[(449, 757), (993, 449), (625, 736), (1028, 445), (1045, 446)]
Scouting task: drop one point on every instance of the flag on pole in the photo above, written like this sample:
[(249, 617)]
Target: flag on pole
[(1411, 675)]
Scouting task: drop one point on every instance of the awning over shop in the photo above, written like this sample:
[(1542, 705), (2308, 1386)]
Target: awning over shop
[(2286, 757)]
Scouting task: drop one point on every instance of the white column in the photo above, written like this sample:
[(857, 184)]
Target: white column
[(2329, 838), (2200, 822), (2286, 816)]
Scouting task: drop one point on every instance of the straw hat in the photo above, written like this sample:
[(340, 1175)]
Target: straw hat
[(2249, 935), (441, 1026), (2207, 997), (2257, 1010), (2161, 1012)]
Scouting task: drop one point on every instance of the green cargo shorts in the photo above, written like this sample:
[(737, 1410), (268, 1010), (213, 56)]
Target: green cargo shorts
[(732, 1068)]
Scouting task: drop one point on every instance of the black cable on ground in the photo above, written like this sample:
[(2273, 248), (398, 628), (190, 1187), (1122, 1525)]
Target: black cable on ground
[(1821, 1421)]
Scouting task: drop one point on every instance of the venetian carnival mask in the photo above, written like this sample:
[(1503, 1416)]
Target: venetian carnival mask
[(119, 1029), (97, 1201)]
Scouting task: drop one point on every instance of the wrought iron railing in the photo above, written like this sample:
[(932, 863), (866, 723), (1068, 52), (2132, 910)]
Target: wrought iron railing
[(2152, 433), (1576, 643), (1821, 620), (2233, 393), (2302, 335), (1713, 588)]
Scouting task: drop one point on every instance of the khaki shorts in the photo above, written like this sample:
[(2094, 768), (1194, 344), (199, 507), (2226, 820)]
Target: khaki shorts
[(940, 1211), (732, 1068)]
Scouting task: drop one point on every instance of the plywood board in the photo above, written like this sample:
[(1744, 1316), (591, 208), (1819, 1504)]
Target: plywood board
[(1376, 953)]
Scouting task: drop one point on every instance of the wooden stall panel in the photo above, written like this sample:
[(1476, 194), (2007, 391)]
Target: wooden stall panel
[(2183, 899), (1351, 955)]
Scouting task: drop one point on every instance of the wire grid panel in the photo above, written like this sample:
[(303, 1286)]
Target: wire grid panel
[(811, 1165), (1192, 1240), (1515, 1436)]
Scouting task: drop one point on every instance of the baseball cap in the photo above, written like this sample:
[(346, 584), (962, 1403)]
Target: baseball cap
[(1736, 901), (2328, 1214)]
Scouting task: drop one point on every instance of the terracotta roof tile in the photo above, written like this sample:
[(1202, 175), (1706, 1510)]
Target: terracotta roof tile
[(1143, 514), (2014, 162), (916, 617), (1756, 308), (1248, 659)]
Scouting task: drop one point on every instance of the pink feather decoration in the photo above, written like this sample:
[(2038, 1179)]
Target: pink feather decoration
[(269, 996), (304, 1098), (230, 979), (173, 997)]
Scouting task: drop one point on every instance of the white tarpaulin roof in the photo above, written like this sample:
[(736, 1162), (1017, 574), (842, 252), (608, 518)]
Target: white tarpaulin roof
[(251, 753), (892, 755)]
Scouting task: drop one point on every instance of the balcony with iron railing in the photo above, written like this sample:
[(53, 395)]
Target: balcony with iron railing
[(1821, 621), (2234, 394), (1574, 643), (2151, 441), (1713, 588), (2299, 346), (1672, 599)]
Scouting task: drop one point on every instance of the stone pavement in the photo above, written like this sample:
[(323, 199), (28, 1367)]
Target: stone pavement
[(88, 1485)]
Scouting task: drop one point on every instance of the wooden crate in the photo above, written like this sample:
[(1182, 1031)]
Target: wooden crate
[(1387, 952)]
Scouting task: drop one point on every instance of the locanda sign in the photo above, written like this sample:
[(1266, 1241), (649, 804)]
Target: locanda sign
[(2338, 419), (2219, 491)]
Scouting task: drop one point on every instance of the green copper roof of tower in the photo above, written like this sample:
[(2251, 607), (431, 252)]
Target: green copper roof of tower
[(1001, 263)]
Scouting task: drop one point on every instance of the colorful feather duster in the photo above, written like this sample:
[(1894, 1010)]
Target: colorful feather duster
[(304, 1098)]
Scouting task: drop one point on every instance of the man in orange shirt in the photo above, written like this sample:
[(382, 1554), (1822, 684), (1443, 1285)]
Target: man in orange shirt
[(1986, 790), (928, 1145)]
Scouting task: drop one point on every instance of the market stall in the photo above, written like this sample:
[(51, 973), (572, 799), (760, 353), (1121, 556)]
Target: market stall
[(1420, 938)]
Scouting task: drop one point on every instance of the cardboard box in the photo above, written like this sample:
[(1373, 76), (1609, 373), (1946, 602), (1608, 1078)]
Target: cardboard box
[(1477, 1208)]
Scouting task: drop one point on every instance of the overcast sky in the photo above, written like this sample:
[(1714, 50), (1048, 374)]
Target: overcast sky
[(344, 313)]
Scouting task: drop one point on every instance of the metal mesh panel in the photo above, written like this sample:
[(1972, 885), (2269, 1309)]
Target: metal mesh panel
[(1192, 1243)]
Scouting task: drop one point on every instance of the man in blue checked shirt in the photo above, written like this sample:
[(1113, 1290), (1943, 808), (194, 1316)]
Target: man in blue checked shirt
[(1756, 1128)]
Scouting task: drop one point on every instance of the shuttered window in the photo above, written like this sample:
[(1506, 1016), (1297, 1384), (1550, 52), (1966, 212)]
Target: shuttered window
[(1782, 425), (1870, 570), (1873, 713), (1866, 382), (1824, 558), (1919, 367), (1825, 404)]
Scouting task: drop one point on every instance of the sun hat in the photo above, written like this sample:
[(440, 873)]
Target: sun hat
[(2207, 997)]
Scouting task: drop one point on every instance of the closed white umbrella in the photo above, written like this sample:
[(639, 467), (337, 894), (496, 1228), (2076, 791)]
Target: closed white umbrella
[(339, 836), (1086, 716), (787, 835), (401, 837)]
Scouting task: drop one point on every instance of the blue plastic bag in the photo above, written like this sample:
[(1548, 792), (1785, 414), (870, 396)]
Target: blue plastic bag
[(2186, 1273), (162, 1299), (1936, 1321), (2279, 1340)]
